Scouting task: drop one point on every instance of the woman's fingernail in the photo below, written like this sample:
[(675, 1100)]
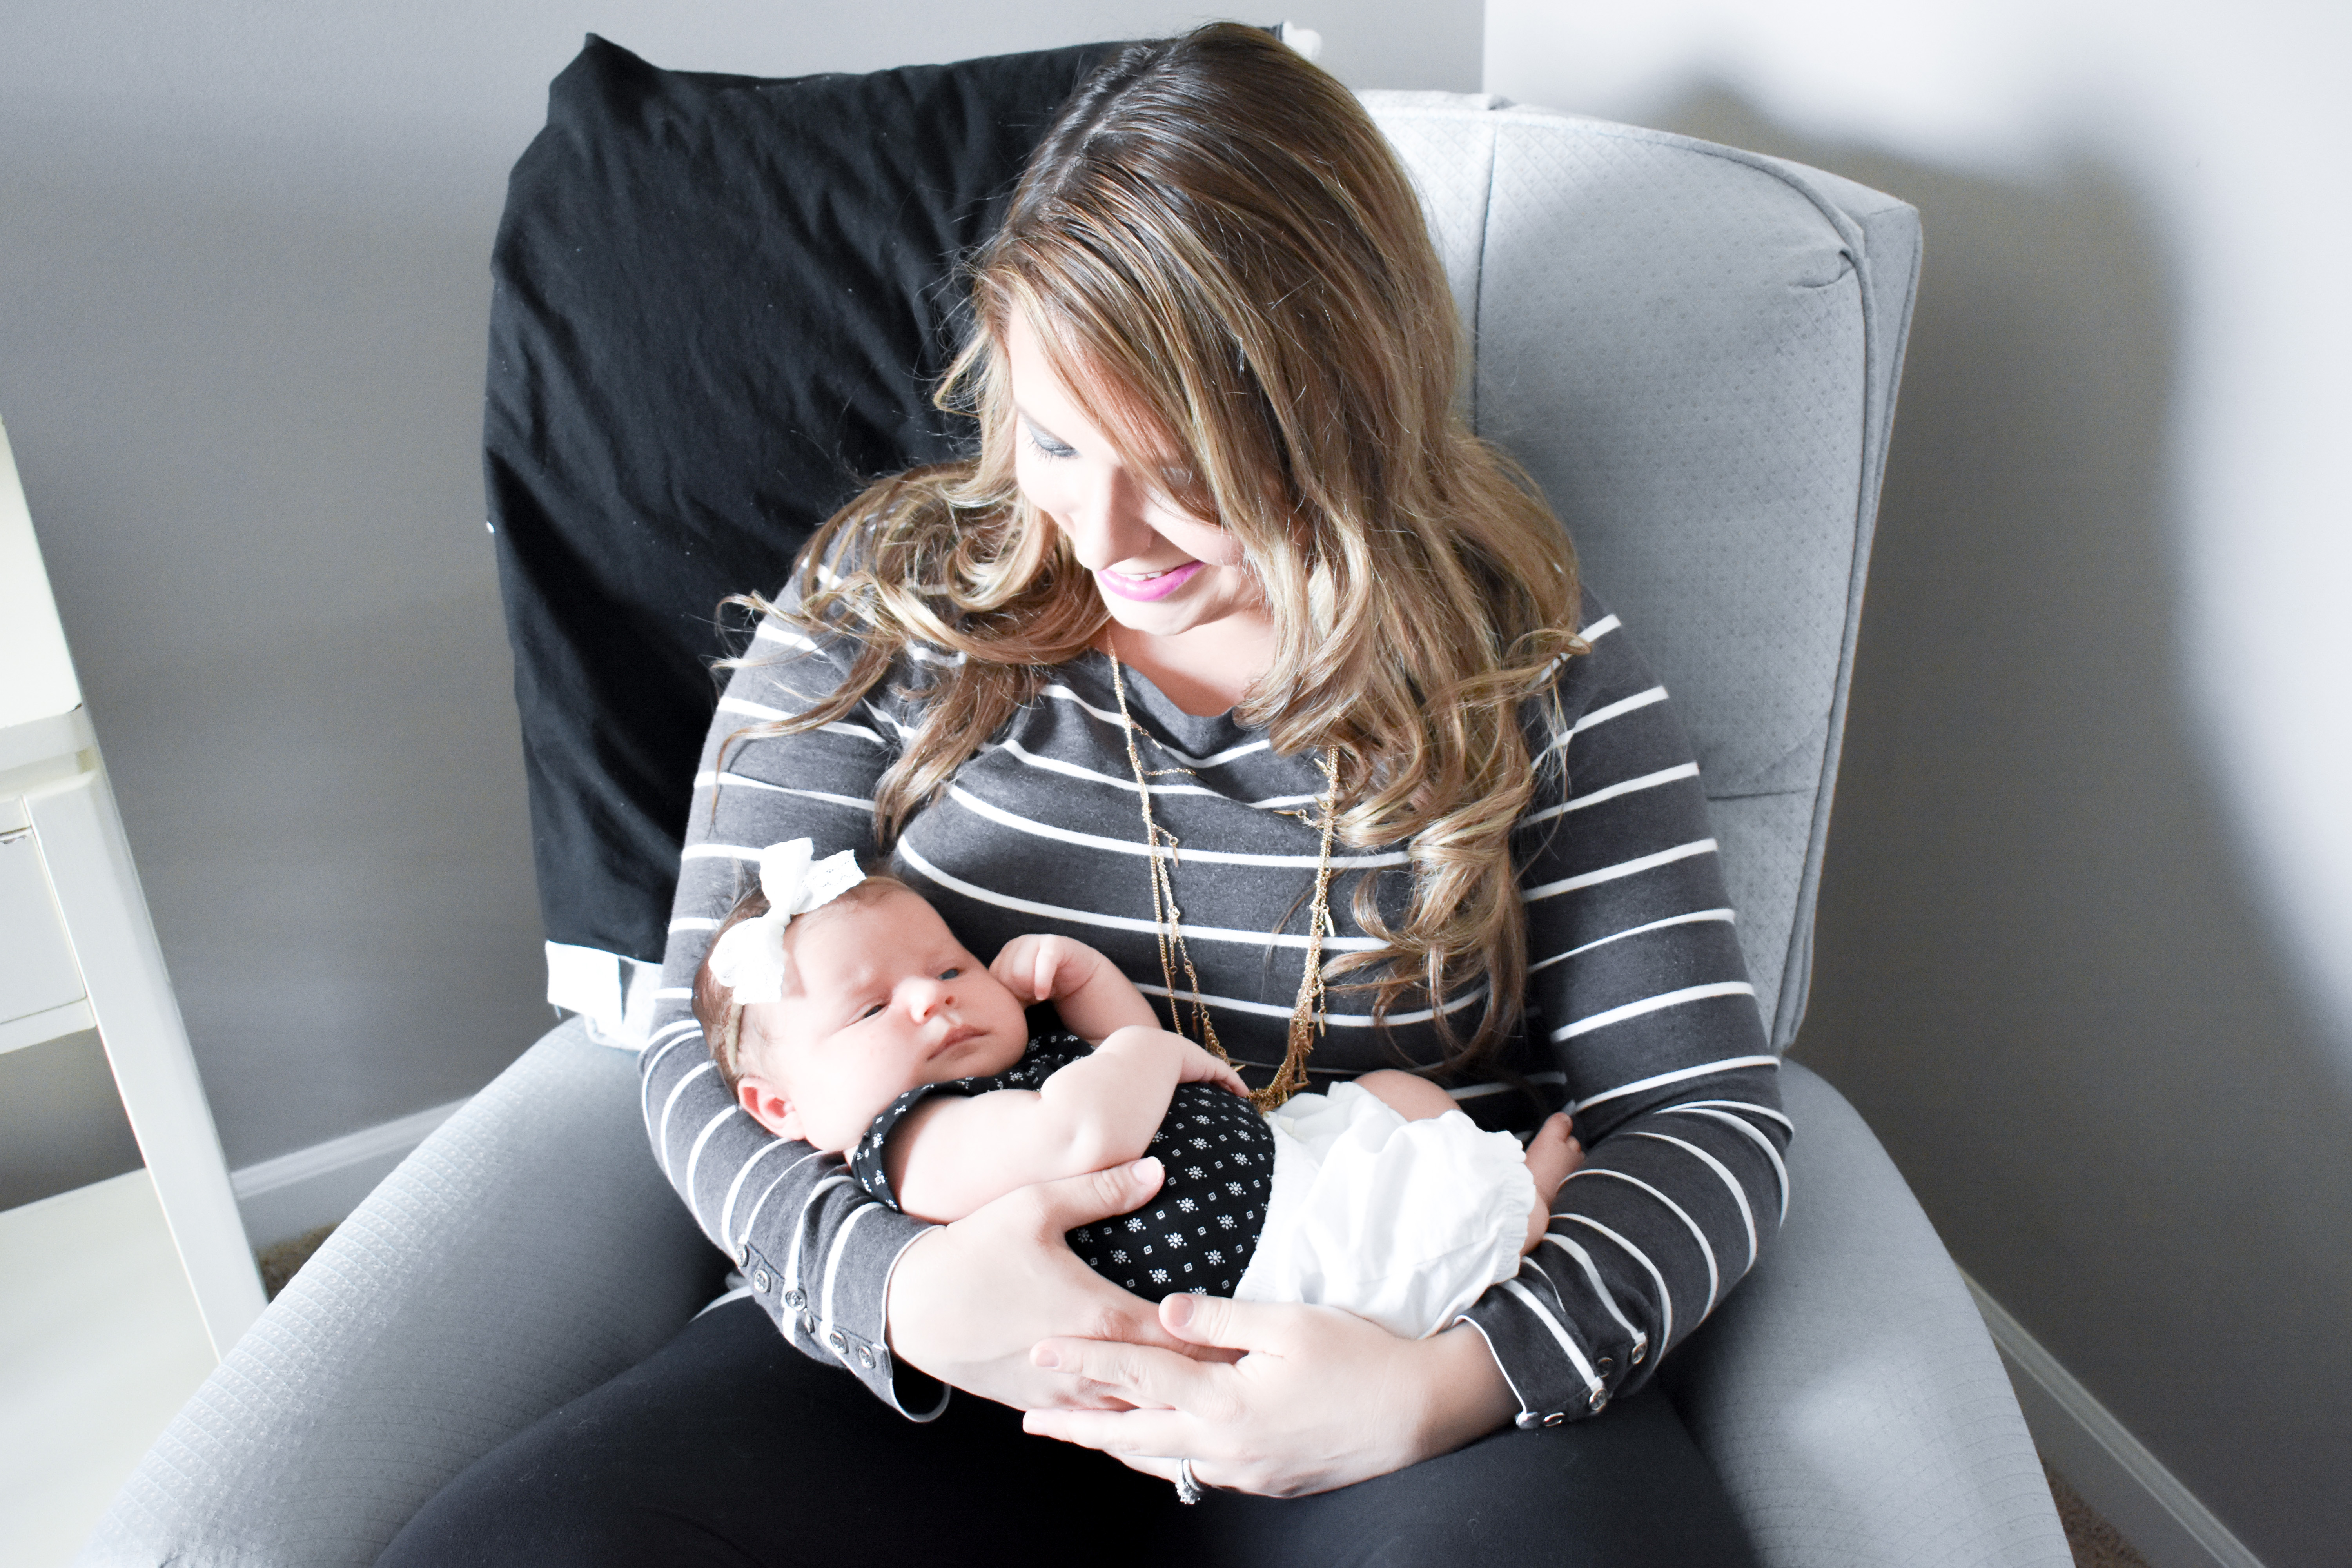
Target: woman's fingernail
[(1045, 1358), (1146, 1168), (1177, 1310)]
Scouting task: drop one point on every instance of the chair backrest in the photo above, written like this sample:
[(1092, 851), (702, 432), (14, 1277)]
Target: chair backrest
[(719, 301), (1695, 352)]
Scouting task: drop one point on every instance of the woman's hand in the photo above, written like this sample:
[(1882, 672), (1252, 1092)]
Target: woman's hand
[(968, 1300), (1320, 1398)]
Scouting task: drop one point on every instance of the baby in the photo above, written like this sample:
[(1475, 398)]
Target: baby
[(843, 1013)]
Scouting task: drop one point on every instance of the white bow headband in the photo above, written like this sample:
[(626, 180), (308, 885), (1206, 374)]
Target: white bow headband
[(750, 957)]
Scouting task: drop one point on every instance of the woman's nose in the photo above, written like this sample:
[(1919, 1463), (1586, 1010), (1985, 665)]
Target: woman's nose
[(1105, 521)]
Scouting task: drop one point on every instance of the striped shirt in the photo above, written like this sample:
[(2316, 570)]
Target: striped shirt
[(1640, 1018)]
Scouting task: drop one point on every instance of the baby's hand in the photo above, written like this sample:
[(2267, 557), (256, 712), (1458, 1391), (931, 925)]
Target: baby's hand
[(1194, 1064), (1044, 968)]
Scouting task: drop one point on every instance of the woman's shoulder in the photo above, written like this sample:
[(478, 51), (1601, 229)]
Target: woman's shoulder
[(794, 630), (1605, 714), (1609, 669)]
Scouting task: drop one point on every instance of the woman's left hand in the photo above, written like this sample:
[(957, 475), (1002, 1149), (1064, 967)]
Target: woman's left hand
[(1320, 1399)]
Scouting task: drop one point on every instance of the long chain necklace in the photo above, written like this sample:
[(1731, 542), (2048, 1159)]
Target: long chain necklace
[(1306, 1013)]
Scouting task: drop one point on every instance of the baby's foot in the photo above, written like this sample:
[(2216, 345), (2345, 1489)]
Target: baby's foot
[(1553, 1156)]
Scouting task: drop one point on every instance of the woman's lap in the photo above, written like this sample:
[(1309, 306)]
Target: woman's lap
[(730, 1448)]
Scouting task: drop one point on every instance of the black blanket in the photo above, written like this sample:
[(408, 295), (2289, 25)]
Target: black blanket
[(721, 305)]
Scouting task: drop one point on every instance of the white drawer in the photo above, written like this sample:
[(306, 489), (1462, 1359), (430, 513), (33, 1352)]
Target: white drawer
[(38, 973)]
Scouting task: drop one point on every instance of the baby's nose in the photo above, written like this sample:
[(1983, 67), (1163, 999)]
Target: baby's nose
[(926, 996)]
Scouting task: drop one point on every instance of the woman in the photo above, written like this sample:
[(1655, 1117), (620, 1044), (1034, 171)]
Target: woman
[(1235, 654)]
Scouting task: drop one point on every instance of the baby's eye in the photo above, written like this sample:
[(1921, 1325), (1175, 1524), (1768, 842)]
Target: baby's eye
[(869, 1012), (950, 973)]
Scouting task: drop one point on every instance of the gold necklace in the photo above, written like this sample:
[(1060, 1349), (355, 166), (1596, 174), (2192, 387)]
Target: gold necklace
[(1306, 1014)]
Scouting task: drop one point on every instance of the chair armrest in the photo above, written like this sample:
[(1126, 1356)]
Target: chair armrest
[(526, 1252), (1848, 1393)]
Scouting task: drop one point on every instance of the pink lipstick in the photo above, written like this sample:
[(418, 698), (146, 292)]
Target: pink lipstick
[(1158, 586)]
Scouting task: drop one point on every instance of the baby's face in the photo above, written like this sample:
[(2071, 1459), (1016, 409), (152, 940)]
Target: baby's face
[(887, 999)]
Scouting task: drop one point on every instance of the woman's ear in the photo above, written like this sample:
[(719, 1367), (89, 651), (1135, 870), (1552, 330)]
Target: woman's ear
[(768, 1106)]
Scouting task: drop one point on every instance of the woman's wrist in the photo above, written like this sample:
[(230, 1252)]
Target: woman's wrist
[(1465, 1394)]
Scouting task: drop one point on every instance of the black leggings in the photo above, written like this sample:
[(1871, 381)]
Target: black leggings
[(728, 1446)]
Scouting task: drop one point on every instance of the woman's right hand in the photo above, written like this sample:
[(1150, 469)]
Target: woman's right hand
[(968, 1300)]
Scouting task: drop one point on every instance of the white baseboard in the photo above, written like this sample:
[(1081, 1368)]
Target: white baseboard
[(282, 1198), (2109, 1467)]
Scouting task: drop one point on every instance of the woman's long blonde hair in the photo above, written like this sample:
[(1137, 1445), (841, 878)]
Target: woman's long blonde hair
[(1222, 255)]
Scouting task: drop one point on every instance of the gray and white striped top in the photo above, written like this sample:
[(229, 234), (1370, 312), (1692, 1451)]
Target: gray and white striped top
[(1641, 1020)]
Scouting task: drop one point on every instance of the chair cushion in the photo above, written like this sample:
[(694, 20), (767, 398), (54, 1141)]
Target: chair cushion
[(1848, 1393), (1693, 350), (526, 1252)]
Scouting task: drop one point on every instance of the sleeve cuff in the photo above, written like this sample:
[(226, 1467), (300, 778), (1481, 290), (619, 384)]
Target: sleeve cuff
[(1553, 1378), (844, 1320)]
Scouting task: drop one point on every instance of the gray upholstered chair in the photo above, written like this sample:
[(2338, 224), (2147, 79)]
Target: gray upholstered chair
[(1695, 351)]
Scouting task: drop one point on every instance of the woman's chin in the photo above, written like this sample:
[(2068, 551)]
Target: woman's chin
[(1190, 610)]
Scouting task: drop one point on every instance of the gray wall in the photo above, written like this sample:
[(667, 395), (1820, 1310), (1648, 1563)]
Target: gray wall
[(243, 293), (2084, 950)]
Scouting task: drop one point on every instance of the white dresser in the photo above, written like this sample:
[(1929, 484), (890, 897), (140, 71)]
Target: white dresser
[(77, 949)]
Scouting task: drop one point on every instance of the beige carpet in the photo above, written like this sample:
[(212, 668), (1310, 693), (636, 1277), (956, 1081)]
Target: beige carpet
[(2095, 1542), (283, 1261)]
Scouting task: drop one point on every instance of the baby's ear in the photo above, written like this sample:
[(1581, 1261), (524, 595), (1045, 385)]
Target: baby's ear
[(768, 1106)]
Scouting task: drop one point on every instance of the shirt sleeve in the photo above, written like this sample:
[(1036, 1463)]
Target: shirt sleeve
[(1637, 984), (816, 1251)]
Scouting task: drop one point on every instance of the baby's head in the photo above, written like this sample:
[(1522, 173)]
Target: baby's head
[(819, 1018)]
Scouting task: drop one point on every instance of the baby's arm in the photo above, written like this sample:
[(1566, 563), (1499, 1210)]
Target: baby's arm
[(953, 1153), (1086, 989)]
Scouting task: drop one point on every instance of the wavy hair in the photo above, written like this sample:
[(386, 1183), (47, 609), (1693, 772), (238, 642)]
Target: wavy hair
[(1223, 256)]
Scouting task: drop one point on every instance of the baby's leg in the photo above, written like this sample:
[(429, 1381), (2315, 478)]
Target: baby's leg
[(1553, 1153), (1415, 1099), (1553, 1156)]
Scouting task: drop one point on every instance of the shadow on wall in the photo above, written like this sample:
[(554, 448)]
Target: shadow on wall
[(2042, 972), (247, 417)]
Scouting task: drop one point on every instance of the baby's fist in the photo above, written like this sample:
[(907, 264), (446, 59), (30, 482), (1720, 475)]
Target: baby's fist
[(1041, 968)]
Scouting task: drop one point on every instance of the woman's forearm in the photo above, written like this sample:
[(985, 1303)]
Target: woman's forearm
[(1467, 1395), (816, 1250), (968, 1301)]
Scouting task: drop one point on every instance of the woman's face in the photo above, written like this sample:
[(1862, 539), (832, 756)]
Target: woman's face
[(1162, 571)]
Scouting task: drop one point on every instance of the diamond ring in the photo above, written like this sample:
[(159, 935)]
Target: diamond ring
[(1188, 1490)]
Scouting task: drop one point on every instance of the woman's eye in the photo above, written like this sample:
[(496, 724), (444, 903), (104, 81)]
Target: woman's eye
[(1046, 444)]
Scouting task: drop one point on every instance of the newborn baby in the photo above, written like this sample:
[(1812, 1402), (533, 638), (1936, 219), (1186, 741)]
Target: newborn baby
[(843, 1013)]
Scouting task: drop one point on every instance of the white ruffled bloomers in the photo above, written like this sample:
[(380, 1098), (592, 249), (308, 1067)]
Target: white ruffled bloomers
[(1405, 1223)]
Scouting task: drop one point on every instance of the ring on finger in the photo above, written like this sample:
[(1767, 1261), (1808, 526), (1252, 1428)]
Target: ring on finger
[(1188, 1487)]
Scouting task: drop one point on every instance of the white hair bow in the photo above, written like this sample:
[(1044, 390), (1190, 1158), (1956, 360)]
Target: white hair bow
[(750, 958)]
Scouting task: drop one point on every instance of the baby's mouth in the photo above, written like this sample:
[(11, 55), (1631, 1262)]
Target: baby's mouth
[(956, 1036)]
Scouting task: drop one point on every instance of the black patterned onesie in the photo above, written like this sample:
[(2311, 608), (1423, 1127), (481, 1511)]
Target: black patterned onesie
[(1197, 1233)]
